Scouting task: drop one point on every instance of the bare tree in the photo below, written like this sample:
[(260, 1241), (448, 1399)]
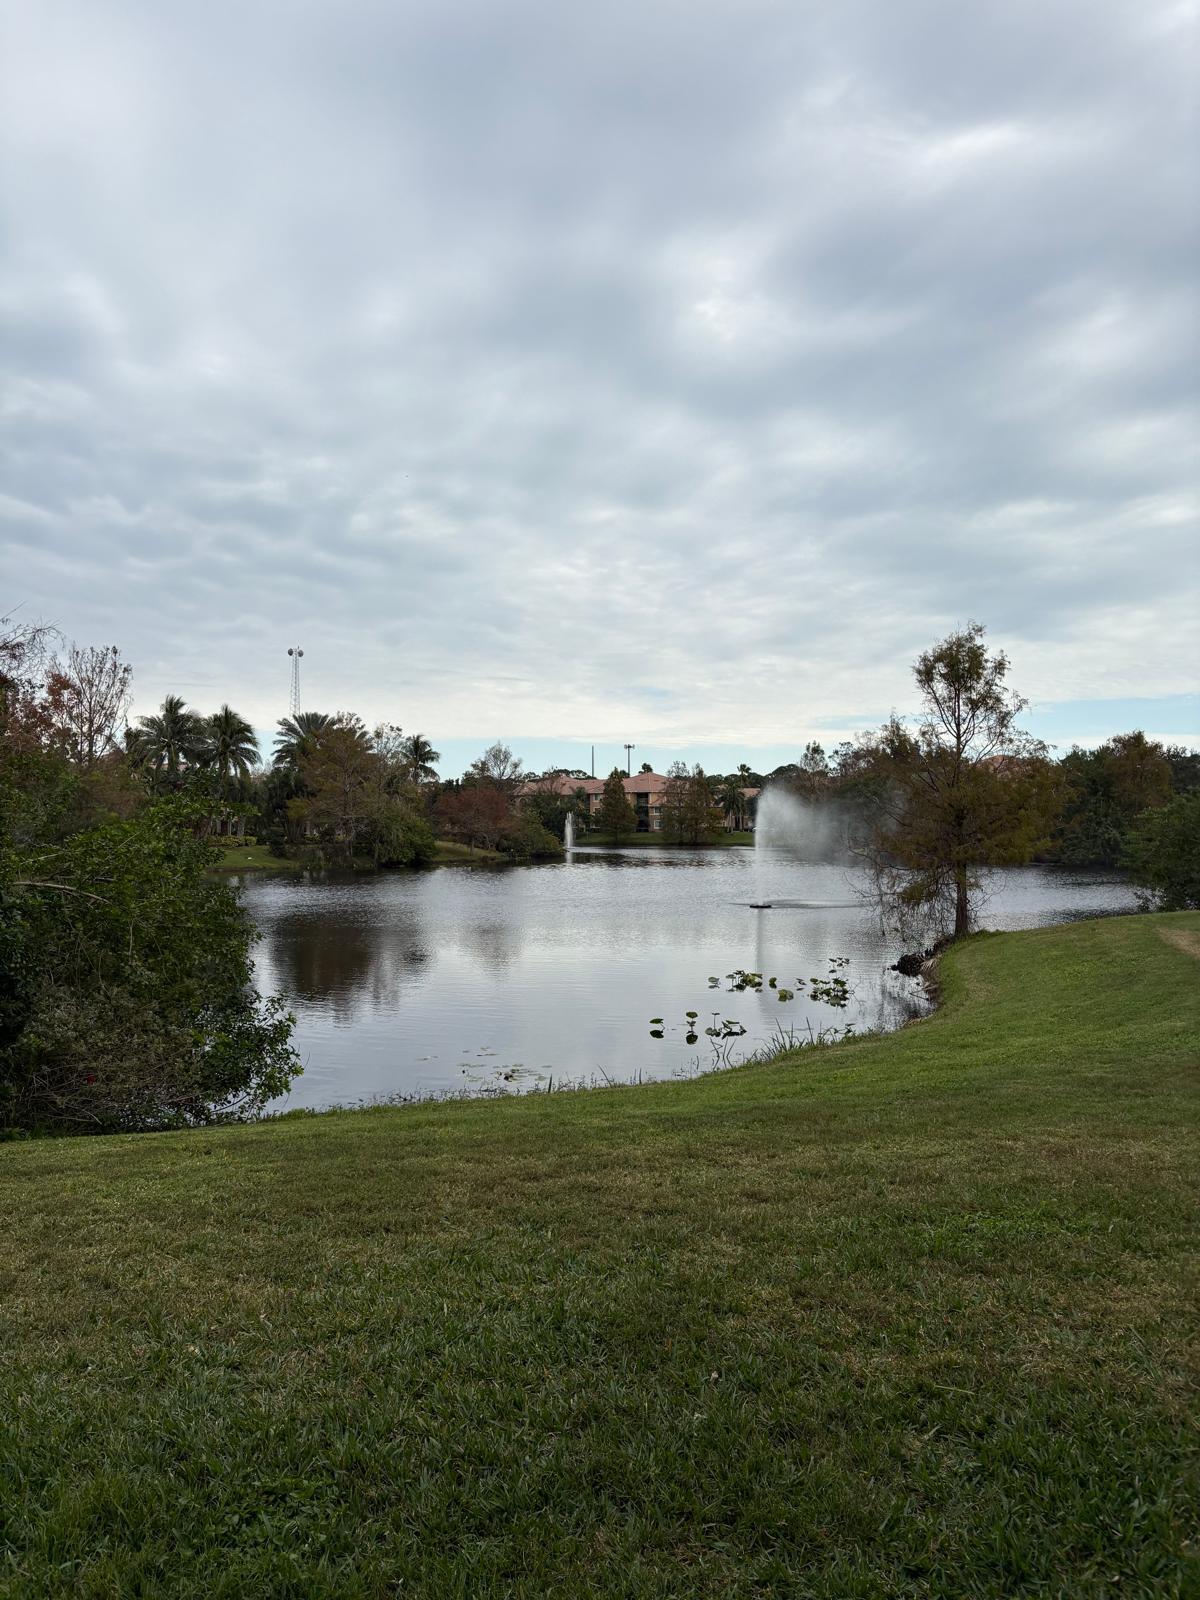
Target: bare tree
[(498, 765), (24, 715), (88, 694)]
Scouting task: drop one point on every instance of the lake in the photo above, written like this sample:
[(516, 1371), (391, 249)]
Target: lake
[(466, 979)]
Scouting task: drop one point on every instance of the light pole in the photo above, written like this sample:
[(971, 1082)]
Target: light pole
[(628, 764)]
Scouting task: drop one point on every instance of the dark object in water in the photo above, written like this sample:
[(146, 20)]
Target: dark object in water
[(760, 905), (909, 966)]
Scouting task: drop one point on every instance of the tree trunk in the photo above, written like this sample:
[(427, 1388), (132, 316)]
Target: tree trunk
[(962, 906)]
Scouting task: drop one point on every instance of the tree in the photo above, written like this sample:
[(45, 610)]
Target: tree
[(524, 836), (673, 809), (1185, 768), (732, 802), (967, 790), (1141, 773), (174, 737), (421, 759), (812, 772), (339, 772), (551, 806), (230, 746), (26, 723), (472, 813), (645, 767), (498, 765), (296, 735), (1106, 790), (688, 811), (127, 997), (88, 694), (397, 835), (1163, 853), (615, 818)]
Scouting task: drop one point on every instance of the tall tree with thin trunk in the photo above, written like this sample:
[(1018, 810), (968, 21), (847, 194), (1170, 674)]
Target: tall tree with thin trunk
[(420, 758), (230, 746), (171, 739), (297, 736), (964, 791)]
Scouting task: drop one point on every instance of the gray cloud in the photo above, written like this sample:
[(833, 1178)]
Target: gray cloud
[(680, 369)]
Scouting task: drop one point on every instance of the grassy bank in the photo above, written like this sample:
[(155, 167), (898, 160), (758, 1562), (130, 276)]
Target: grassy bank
[(907, 1317), (257, 858), (251, 858), (450, 854)]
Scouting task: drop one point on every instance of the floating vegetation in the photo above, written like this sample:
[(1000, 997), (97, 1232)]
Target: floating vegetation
[(834, 989)]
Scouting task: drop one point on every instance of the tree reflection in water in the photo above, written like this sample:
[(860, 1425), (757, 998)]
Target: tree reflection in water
[(397, 979)]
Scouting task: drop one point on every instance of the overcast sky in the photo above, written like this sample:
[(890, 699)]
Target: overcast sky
[(670, 372)]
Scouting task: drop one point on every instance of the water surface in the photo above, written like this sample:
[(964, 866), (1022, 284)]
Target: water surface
[(468, 979)]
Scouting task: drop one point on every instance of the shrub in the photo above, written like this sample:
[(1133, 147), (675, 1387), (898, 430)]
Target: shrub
[(524, 836), (129, 1002), (400, 837)]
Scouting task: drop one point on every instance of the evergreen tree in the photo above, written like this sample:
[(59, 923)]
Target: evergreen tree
[(616, 818)]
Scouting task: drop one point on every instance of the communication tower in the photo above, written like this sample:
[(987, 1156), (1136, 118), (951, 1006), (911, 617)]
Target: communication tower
[(295, 652)]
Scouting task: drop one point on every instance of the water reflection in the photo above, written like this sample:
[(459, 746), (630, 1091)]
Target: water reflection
[(400, 979)]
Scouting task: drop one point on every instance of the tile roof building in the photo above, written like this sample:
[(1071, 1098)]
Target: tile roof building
[(645, 791)]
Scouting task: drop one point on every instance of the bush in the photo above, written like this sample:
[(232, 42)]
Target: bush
[(127, 979), (1163, 853), (401, 838), (524, 836)]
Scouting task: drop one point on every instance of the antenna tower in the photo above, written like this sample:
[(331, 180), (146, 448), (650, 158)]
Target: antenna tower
[(295, 652), (628, 764)]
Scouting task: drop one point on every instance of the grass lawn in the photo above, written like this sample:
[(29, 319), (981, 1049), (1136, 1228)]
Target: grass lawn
[(450, 854), (908, 1317), (251, 858)]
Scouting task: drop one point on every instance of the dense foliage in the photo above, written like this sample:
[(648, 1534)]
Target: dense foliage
[(1163, 853), (615, 816), (1107, 789), (127, 980), (690, 809), (125, 970)]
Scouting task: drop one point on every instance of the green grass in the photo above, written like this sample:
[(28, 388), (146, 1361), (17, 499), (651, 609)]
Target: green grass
[(257, 858), (251, 858), (909, 1317), (451, 854)]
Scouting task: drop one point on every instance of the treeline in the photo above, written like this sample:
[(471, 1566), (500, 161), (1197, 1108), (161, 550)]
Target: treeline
[(1102, 800)]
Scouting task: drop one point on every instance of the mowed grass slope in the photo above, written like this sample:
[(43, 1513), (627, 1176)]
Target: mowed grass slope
[(912, 1316)]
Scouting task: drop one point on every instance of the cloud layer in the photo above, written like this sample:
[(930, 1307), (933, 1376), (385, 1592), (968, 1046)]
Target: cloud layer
[(666, 372)]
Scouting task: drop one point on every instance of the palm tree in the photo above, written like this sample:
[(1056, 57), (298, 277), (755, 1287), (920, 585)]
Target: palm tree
[(420, 759), (732, 801), (296, 735), (230, 744), (173, 737)]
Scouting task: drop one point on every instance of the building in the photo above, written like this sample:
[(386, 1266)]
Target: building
[(645, 791)]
